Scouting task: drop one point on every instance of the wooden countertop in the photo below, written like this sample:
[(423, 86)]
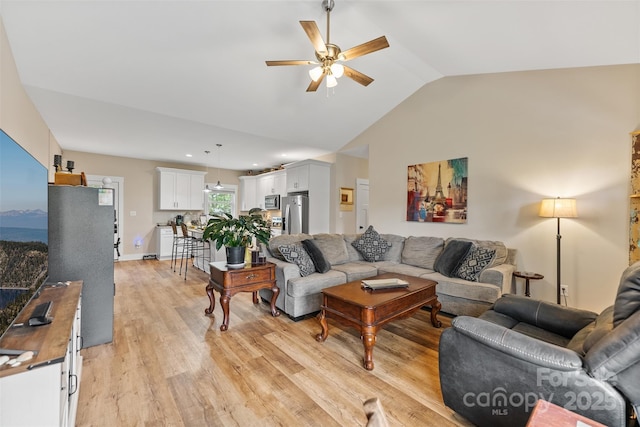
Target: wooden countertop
[(49, 341)]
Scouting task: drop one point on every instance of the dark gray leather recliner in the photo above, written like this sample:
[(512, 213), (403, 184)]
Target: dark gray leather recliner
[(494, 368)]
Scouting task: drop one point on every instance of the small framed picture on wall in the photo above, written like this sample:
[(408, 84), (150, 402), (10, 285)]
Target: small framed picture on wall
[(346, 199)]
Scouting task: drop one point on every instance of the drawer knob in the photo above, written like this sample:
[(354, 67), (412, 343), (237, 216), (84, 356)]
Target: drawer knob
[(252, 276)]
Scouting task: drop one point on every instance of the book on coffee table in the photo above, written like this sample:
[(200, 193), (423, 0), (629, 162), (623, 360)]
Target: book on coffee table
[(377, 284)]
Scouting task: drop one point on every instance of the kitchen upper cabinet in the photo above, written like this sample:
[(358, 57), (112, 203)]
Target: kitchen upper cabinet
[(280, 183), (271, 183), (297, 178), (180, 189), (307, 175), (248, 193)]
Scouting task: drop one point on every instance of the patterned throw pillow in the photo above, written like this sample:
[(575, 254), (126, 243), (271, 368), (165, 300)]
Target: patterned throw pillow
[(476, 260), (371, 245), (296, 254)]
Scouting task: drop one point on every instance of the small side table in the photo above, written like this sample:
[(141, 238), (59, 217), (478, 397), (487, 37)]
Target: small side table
[(527, 275), (228, 282)]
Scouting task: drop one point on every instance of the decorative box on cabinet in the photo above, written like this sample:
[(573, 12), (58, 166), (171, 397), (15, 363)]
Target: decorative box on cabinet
[(180, 189), (44, 390)]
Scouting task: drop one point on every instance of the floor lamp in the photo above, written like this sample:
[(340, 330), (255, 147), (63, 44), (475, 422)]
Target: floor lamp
[(558, 208)]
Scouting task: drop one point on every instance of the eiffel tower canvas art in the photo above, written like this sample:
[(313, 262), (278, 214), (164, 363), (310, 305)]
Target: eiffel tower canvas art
[(437, 191)]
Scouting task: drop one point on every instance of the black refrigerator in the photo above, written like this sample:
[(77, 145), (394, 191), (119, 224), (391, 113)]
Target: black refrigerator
[(81, 221)]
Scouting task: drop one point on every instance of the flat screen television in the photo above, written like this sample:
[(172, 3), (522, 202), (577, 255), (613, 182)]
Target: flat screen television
[(23, 228)]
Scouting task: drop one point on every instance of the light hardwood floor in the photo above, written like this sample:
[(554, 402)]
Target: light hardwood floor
[(169, 363)]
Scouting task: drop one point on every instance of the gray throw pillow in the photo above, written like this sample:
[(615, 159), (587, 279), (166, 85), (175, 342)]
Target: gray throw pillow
[(319, 261), (371, 245), (295, 253), (476, 260), (628, 298), (450, 258)]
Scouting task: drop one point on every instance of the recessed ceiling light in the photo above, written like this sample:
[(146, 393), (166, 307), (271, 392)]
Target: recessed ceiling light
[(284, 154), (189, 155), (254, 164)]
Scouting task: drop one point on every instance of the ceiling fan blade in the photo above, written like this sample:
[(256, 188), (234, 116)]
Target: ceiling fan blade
[(363, 79), (365, 48), (314, 85), (311, 28), (294, 62)]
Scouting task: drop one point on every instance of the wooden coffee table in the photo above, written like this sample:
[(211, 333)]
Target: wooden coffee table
[(229, 281), (369, 311)]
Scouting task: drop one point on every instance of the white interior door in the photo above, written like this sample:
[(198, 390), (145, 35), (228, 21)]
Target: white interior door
[(117, 183), (362, 205)]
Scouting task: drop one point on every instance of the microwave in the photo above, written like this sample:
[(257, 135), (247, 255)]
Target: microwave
[(272, 202)]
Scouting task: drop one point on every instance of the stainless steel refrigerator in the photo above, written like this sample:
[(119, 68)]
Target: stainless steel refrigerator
[(81, 248), (295, 214)]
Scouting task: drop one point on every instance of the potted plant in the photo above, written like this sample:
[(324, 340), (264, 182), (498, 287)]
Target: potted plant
[(236, 234)]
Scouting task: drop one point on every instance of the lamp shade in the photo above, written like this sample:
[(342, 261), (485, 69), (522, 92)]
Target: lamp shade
[(558, 208)]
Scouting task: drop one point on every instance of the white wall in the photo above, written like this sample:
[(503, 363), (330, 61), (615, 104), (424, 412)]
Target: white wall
[(18, 116), (528, 135)]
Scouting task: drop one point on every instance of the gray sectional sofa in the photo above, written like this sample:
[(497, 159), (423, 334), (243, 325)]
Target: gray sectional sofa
[(418, 256)]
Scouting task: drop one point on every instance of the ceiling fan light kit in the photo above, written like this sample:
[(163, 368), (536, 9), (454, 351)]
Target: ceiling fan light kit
[(327, 55)]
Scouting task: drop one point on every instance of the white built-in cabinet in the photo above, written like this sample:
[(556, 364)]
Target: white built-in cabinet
[(271, 183), (180, 189), (44, 390), (314, 178), (248, 192), (298, 176), (253, 189)]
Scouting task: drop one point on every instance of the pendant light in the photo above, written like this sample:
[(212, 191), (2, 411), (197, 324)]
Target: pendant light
[(218, 186), (206, 188)]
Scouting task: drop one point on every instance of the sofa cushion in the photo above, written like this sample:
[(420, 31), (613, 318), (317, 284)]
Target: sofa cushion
[(319, 261), (477, 259), (314, 283), (454, 252), (394, 252), (371, 245), (394, 267), (357, 270), (460, 288), (295, 253), (628, 298), (284, 239), (422, 251), (333, 247)]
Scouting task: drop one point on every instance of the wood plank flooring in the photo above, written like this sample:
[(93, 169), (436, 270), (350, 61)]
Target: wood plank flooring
[(169, 363)]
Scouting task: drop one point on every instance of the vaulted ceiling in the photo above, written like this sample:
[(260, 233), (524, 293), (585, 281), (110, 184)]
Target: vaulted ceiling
[(159, 79)]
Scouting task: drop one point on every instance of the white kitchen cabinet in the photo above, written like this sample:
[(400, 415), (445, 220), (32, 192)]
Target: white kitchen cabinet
[(248, 192), (265, 184), (180, 189), (164, 242), (44, 390), (280, 183), (298, 177), (314, 178)]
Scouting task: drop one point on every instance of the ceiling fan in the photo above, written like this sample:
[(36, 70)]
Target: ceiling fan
[(329, 55)]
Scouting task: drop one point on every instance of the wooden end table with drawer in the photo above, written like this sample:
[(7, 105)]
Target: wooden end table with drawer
[(229, 281)]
